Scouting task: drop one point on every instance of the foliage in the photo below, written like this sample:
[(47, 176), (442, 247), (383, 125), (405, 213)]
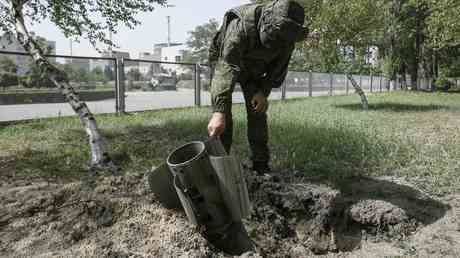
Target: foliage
[(412, 36), (443, 83), (97, 75), (93, 20), (8, 70), (109, 73), (450, 62), (36, 78), (199, 41), (443, 24)]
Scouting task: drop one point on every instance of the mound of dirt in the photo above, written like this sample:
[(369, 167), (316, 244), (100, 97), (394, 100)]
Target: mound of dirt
[(117, 216)]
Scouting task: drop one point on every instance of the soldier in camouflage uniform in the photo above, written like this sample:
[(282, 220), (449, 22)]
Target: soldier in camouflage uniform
[(253, 48)]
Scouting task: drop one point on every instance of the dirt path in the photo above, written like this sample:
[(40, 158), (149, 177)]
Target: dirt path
[(119, 217)]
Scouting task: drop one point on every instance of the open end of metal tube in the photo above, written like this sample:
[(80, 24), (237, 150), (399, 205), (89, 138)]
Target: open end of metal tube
[(186, 154)]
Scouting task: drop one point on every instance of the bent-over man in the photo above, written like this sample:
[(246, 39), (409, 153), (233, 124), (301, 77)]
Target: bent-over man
[(253, 48)]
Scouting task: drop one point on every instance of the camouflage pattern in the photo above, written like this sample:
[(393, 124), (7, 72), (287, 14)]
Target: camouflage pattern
[(257, 128), (237, 55)]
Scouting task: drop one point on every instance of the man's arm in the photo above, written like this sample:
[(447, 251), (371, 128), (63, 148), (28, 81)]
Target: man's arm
[(227, 68), (277, 72)]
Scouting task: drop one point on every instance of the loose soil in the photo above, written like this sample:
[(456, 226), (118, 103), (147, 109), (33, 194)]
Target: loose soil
[(118, 216)]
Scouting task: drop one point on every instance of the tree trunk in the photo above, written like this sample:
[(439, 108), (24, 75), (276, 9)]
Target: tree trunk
[(100, 158), (418, 50), (403, 79), (359, 91)]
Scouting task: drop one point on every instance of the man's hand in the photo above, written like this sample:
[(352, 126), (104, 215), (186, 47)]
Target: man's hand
[(216, 124), (259, 103)]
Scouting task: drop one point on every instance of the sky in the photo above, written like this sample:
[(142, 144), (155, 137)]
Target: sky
[(185, 16)]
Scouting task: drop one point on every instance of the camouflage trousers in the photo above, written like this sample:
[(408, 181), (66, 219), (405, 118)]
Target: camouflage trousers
[(257, 128)]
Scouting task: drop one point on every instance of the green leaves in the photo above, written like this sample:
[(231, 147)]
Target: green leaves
[(443, 24), (199, 41), (91, 19)]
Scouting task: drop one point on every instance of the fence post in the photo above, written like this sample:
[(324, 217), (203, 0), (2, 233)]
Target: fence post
[(380, 83), (197, 85), (117, 97), (372, 82), (310, 84), (120, 85), (347, 85), (331, 83)]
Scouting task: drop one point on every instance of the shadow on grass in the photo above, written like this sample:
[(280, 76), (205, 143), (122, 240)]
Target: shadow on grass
[(334, 153), (345, 159), (394, 107)]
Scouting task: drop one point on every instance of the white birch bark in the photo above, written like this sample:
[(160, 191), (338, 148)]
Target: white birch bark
[(100, 158)]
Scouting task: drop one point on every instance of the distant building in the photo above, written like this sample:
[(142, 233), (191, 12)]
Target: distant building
[(21, 61), (115, 54), (148, 56), (173, 52), (100, 63), (149, 68)]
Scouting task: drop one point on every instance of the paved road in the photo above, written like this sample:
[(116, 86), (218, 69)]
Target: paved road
[(135, 101)]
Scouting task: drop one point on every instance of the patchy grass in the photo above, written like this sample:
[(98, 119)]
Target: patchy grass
[(412, 135)]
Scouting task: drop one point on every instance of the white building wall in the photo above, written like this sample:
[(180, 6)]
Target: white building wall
[(173, 54)]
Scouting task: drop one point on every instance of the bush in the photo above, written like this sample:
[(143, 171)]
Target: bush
[(36, 82), (8, 79), (36, 78), (443, 83), (87, 86)]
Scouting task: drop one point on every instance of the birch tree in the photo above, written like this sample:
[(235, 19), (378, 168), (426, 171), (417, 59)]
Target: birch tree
[(93, 20)]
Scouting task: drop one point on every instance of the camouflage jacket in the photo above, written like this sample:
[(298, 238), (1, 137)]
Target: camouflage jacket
[(237, 55)]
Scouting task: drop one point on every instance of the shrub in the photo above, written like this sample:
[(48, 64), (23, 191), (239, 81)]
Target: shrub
[(443, 83)]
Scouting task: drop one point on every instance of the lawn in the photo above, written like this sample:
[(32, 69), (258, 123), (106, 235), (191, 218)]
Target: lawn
[(410, 135)]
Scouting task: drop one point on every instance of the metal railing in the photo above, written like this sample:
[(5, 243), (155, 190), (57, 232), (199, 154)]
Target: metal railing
[(141, 85)]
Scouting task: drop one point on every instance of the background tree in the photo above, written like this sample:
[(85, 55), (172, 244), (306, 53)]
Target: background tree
[(8, 73), (134, 74), (109, 73), (93, 20), (199, 41), (70, 71), (443, 23), (97, 75), (36, 78), (419, 38)]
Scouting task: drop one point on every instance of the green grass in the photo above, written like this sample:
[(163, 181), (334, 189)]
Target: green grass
[(411, 135)]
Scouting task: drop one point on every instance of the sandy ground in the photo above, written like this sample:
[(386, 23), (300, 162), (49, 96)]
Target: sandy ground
[(118, 216)]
